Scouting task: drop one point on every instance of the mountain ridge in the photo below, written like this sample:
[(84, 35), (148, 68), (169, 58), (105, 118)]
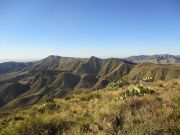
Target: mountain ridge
[(162, 58), (57, 76)]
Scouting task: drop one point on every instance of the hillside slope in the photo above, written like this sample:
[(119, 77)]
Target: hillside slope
[(57, 76), (154, 110), (156, 71)]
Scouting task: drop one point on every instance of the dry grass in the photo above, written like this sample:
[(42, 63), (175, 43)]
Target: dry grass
[(102, 112)]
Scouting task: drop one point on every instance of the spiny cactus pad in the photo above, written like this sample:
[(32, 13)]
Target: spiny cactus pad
[(148, 79), (118, 84), (136, 91)]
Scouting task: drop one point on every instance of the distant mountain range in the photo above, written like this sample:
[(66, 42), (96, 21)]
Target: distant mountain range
[(164, 58), (12, 66), (24, 84)]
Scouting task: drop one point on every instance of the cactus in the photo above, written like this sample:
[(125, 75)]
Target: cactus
[(50, 106), (118, 84), (147, 79), (136, 91)]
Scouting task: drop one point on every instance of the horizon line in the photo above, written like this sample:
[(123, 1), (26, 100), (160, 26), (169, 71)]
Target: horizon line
[(37, 59)]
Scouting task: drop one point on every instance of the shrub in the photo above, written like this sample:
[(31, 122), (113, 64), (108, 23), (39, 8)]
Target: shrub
[(176, 108), (38, 126)]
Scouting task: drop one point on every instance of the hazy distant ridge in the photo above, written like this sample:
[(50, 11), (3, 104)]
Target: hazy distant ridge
[(164, 58)]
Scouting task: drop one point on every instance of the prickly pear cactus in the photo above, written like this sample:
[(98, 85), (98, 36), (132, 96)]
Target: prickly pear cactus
[(118, 84), (138, 90), (148, 79)]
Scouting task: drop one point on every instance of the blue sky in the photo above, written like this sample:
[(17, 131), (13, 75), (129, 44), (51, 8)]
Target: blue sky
[(34, 29)]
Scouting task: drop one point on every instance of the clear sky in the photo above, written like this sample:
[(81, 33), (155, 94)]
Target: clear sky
[(33, 29)]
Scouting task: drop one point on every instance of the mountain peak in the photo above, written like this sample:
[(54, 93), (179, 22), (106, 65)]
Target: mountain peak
[(93, 57), (53, 56)]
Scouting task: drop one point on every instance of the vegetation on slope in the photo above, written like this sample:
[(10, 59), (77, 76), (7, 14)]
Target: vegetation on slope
[(102, 112), (156, 71)]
